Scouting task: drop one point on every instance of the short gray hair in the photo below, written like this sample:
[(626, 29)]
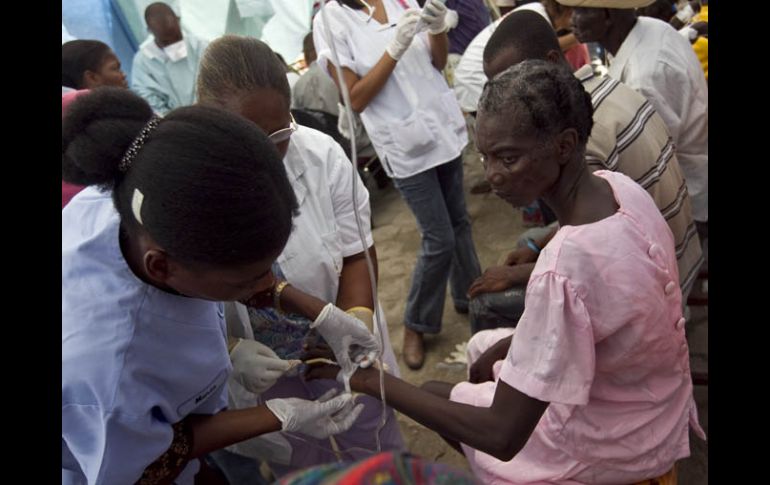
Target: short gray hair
[(553, 97), (234, 65)]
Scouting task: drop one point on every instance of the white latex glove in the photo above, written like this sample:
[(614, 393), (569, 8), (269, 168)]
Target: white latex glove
[(348, 337), (320, 419), (405, 30), (452, 18), (434, 16), (255, 366)]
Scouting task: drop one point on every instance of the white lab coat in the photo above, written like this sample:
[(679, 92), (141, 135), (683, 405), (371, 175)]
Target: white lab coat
[(325, 232), (414, 122), (661, 64), (134, 358)]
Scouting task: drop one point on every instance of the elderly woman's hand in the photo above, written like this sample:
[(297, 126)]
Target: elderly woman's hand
[(520, 256), (499, 278)]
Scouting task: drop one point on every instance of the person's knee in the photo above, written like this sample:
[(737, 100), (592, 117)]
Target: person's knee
[(461, 225), (481, 342), (439, 243), (495, 310), (476, 345)]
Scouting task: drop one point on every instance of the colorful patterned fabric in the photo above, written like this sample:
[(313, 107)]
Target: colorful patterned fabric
[(391, 468), (284, 333)]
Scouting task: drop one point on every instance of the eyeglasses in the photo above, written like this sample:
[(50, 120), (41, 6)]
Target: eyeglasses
[(280, 136)]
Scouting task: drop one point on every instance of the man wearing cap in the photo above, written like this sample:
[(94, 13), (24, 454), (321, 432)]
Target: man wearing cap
[(652, 58)]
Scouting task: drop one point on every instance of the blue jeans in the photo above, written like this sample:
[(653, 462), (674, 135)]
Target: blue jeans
[(436, 199)]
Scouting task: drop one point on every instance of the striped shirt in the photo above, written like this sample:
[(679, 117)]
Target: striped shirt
[(628, 136)]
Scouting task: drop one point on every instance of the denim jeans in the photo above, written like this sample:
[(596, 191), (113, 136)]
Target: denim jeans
[(437, 201)]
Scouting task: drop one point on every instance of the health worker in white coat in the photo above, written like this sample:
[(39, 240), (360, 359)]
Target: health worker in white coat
[(324, 256), (392, 68)]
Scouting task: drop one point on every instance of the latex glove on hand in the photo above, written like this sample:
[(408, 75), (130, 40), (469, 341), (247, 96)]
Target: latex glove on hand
[(452, 18), (255, 366), (406, 28), (320, 419), (434, 16), (348, 337)]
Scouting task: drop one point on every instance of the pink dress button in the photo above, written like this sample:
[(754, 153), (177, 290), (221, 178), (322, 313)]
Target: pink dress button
[(653, 251), (680, 324), (670, 287)]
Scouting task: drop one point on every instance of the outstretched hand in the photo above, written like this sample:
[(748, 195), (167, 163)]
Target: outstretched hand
[(520, 256)]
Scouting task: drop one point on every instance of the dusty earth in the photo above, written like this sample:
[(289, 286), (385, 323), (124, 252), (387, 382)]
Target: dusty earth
[(495, 229)]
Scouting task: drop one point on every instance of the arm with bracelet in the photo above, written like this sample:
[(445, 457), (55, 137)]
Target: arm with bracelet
[(355, 290), (348, 337)]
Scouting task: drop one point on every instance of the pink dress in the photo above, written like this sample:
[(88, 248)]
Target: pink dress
[(602, 340)]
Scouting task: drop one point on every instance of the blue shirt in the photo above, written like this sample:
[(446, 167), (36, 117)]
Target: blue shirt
[(163, 83), (135, 359)]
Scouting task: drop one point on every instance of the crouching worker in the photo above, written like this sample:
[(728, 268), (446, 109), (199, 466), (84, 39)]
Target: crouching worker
[(180, 214)]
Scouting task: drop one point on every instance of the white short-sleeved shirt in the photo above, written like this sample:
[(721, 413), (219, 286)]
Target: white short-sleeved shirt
[(414, 122), (661, 64), (325, 231), (469, 73), (602, 340), (135, 359)]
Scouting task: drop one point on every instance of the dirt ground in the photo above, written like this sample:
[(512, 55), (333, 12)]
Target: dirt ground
[(495, 229)]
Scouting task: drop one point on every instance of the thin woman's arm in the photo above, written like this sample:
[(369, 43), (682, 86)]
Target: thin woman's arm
[(363, 89), (355, 288), (228, 427), (439, 50), (501, 430)]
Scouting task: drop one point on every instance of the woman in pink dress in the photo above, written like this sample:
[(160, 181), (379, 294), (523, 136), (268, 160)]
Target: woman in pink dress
[(594, 385)]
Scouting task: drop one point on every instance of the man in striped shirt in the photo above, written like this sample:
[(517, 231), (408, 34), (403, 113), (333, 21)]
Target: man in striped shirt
[(628, 136)]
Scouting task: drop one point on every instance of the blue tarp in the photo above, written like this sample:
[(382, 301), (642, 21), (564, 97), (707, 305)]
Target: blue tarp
[(101, 20)]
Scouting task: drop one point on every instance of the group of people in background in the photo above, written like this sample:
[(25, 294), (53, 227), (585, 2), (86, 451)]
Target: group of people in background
[(214, 248)]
